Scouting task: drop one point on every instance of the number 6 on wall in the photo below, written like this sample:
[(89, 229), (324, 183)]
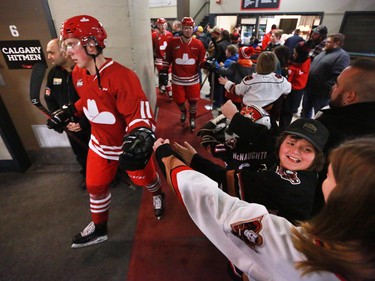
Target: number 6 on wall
[(13, 30)]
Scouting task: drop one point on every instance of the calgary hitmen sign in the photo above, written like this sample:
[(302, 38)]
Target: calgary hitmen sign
[(22, 54)]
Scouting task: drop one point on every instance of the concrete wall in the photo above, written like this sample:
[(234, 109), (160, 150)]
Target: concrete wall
[(127, 24)]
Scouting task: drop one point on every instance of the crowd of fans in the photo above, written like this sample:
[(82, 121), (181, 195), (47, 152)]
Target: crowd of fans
[(283, 108)]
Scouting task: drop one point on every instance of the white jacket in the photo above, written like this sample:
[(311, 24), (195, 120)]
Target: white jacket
[(259, 89), (257, 242)]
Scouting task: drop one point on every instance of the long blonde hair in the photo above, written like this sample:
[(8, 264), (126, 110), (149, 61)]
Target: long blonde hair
[(345, 228)]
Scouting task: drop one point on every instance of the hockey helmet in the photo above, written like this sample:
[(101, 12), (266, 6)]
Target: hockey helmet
[(161, 21), (187, 21), (86, 28), (257, 114)]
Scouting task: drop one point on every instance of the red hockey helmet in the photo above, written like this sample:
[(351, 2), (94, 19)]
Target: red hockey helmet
[(187, 21), (161, 21), (257, 115), (86, 28)]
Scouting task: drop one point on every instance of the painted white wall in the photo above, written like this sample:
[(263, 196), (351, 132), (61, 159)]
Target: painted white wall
[(127, 23), (333, 10), (163, 12)]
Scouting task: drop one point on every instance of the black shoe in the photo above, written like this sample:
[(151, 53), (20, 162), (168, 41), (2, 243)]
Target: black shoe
[(192, 124), (208, 96), (91, 235), (183, 117), (158, 201)]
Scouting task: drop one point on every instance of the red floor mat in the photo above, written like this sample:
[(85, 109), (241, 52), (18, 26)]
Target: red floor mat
[(174, 248)]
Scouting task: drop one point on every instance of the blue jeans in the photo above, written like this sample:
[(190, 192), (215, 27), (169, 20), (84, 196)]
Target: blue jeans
[(312, 101)]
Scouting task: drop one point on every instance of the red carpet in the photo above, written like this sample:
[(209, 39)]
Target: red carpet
[(174, 248)]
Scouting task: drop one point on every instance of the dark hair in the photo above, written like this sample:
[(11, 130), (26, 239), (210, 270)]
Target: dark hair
[(225, 35), (365, 74), (282, 54), (317, 164), (338, 38)]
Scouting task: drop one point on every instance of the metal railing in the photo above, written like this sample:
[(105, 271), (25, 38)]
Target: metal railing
[(207, 11)]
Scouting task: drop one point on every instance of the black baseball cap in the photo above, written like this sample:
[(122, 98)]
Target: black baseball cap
[(311, 130), (321, 29)]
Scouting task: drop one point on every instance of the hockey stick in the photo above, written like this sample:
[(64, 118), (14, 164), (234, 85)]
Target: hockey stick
[(37, 76)]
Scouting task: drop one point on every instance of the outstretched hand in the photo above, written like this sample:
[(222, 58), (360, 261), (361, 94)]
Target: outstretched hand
[(223, 80), (229, 109), (159, 142), (187, 152)]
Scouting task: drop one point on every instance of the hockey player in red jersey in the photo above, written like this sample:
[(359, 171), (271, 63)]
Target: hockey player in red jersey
[(112, 99), (160, 38), (187, 55)]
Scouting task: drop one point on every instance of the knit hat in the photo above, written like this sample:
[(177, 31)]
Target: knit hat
[(200, 29), (321, 29), (311, 130), (216, 29), (245, 52)]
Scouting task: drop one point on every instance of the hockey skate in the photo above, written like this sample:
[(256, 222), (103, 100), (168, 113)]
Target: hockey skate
[(91, 235), (192, 124), (158, 202), (162, 89), (183, 116)]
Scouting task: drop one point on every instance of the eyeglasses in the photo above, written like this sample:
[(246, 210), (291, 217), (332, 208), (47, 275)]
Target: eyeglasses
[(70, 46), (187, 28)]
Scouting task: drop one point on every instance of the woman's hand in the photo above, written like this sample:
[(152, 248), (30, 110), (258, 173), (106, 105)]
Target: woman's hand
[(187, 152)]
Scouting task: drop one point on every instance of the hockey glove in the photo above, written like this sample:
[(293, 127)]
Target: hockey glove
[(60, 118), (137, 149), (163, 78), (213, 132)]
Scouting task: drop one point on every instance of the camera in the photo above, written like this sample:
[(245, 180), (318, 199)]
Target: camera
[(210, 65)]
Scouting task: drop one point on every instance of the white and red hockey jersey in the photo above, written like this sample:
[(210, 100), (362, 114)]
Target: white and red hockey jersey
[(186, 59), (260, 89), (117, 108), (159, 43), (257, 242)]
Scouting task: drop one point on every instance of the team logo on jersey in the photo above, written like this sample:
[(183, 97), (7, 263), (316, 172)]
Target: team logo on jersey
[(47, 92), (248, 232), (92, 113), (79, 83), (185, 60), (288, 175), (164, 46)]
